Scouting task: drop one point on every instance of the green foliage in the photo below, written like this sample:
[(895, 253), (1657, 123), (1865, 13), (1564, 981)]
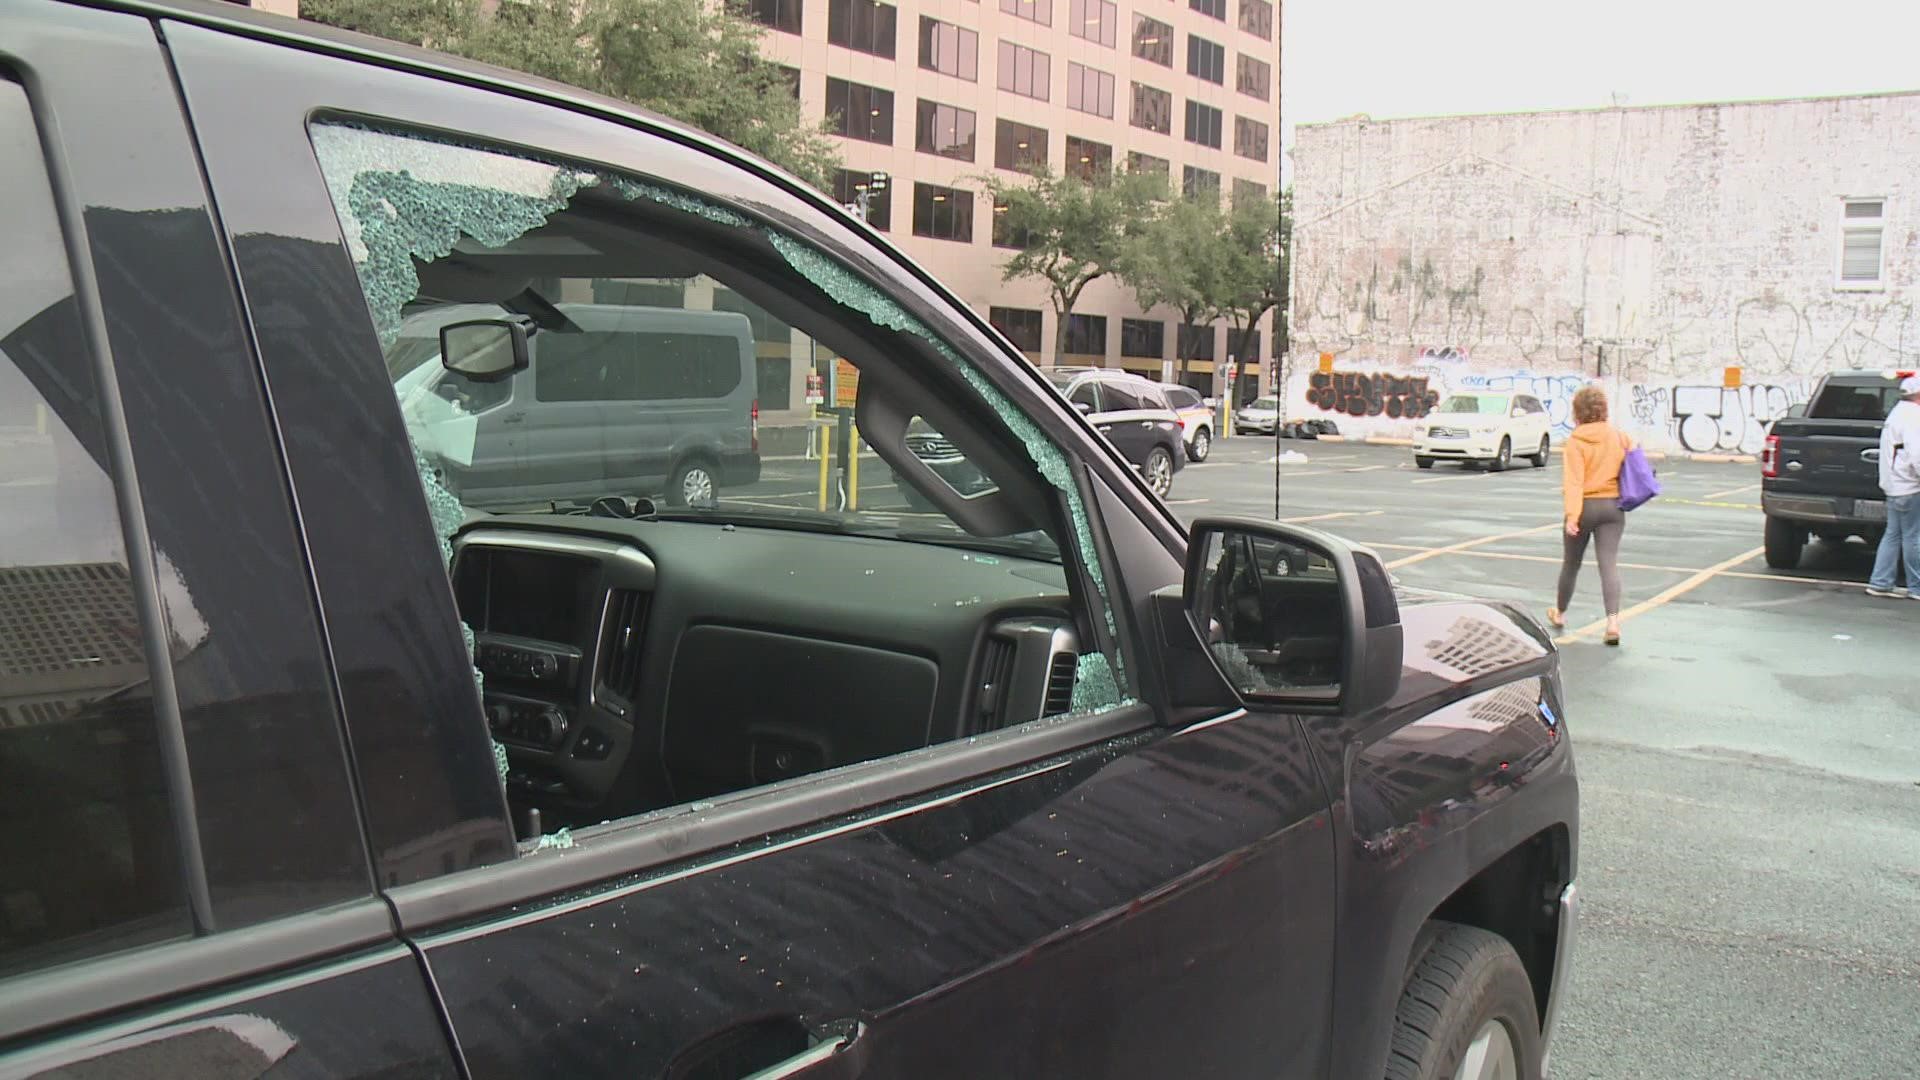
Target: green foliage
[(1071, 231), (682, 58), (1208, 263)]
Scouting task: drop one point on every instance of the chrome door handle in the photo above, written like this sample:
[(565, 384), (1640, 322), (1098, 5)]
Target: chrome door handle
[(1870, 455), (840, 1056), (514, 418)]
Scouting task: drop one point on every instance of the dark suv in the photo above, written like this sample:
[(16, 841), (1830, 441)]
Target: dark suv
[(1133, 414), (311, 769)]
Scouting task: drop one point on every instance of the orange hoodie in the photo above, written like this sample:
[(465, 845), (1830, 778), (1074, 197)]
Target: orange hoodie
[(1594, 454)]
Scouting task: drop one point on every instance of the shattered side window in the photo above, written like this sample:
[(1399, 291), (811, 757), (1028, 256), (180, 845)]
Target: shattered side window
[(632, 341)]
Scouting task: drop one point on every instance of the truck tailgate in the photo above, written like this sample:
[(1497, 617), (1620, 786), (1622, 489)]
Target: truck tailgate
[(1828, 457)]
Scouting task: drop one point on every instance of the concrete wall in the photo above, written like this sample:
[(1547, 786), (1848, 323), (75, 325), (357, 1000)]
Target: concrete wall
[(1650, 248)]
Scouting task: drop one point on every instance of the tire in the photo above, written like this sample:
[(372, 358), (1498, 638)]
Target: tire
[(1785, 541), (1467, 1001), (1423, 462), (1158, 471), (1201, 446), (692, 484), (1504, 458), (1546, 452)]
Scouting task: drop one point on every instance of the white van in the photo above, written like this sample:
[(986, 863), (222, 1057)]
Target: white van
[(638, 401)]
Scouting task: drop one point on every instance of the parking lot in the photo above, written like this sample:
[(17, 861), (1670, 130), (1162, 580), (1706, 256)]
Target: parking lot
[(1750, 758)]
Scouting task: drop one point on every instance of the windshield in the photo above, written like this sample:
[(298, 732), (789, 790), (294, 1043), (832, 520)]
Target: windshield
[(1482, 404), (1265, 404)]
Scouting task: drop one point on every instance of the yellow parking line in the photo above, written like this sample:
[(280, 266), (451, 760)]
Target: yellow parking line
[(1710, 502), (1666, 597), (1330, 517), (1731, 491), (1655, 567), (1465, 544)]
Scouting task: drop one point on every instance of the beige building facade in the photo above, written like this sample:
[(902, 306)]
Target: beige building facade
[(937, 93)]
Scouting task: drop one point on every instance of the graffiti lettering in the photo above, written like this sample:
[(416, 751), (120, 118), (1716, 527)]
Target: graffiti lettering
[(1397, 397), (1554, 391), (1713, 419)]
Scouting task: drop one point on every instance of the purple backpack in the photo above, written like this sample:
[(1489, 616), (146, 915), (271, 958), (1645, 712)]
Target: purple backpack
[(1638, 484)]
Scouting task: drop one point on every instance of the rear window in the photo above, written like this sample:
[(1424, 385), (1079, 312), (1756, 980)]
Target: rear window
[(1480, 404), (639, 366), (1183, 398), (1854, 402)]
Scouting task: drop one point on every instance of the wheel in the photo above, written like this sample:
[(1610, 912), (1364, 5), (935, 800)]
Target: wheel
[(1159, 471), (1201, 446), (1466, 1012), (1785, 542), (1546, 452), (692, 484), (1504, 458), (1423, 462)]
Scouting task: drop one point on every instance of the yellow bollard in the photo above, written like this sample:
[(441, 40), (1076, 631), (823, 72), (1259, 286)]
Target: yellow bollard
[(826, 465), (853, 467)]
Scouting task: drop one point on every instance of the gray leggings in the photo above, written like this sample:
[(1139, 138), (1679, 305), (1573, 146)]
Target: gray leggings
[(1603, 520)]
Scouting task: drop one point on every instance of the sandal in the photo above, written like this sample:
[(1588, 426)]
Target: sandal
[(1613, 637), (1556, 618)]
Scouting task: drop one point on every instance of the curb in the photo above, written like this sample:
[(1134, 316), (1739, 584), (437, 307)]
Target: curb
[(1652, 455)]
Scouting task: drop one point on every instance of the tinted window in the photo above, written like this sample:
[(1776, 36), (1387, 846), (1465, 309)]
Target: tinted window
[(1089, 90), (949, 49), (859, 111), (1206, 59), (1203, 124), (1122, 396), (1088, 394), (1087, 159), (88, 861), (942, 213), (1018, 146), (850, 186), (1143, 337), (1087, 334), (1152, 109), (1854, 402), (1021, 325), (1040, 11), (944, 130), (1254, 77), (779, 14), (1025, 71), (637, 366), (863, 25), (1095, 20), (1153, 40), (1182, 397)]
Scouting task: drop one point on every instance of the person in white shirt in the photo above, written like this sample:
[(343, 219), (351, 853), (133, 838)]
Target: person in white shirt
[(1900, 479)]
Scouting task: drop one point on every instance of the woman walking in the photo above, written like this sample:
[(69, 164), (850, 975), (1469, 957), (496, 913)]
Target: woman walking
[(1590, 494)]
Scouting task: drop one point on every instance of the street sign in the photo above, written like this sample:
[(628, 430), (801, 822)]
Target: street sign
[(846, 384), (1733, 378), (816, 389)]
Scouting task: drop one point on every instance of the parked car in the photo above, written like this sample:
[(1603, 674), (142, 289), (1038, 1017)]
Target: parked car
[(1196, 418), (674, 388), (354, 779), (1130, 412), (1488, 428), (1258, 417), (1820, 472)]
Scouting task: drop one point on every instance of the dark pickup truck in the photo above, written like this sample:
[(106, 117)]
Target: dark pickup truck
[(1820, 471), (310, 770)]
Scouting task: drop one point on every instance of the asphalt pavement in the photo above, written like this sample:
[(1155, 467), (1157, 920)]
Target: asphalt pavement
[(1749, 758)]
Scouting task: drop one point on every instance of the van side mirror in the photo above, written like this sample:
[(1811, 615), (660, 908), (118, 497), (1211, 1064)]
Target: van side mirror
[(485, 350), (1289, 618)]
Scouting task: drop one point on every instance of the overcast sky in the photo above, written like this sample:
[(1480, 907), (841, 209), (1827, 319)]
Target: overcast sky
[(1393, 58)]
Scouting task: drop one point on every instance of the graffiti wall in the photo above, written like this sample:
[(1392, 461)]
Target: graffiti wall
[(1696, 414)]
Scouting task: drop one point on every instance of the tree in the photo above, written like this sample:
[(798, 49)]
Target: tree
[(697, 63), (1179, 258), (1254, 271), (1071, 232)]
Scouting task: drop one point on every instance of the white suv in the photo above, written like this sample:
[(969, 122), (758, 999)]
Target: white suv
[(1485, 427), (1196, 418)]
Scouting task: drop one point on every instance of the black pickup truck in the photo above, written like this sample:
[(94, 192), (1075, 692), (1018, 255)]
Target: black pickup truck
[(309, 770), (1820, 470)]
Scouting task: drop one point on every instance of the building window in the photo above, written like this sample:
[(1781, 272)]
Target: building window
[(942, 213), (1255, 77), (782, 15), (863, 25), (1195, 182), (949, 49), (1196, 342), (1025, 71), (1152, 109), (1245, 191), (791, 76), (1040, 11), (1252, 353), (1216, 9), (1206, 59), (1019, 147), (1153, 41), (944, 130), (860, 111), (850, 184), (1143, 337), (1005, 235), (1145, 164), (1020, 325), (1089, 90), (1203, 124), (1095, 20), (1087, 335), (1089, 160), (1249, 138), (1256, 18), (1862, 225)]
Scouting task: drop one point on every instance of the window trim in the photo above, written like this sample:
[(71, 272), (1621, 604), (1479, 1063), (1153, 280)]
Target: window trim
[(1876, 224)]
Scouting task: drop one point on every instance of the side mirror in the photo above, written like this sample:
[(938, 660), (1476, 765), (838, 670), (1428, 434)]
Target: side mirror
[(485, 350), (1287, 617)]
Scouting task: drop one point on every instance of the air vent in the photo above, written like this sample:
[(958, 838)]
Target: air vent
[(620, 652), (995, 688), (1060, 674)]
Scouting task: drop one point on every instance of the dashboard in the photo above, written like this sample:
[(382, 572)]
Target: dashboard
[(633, 664)]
